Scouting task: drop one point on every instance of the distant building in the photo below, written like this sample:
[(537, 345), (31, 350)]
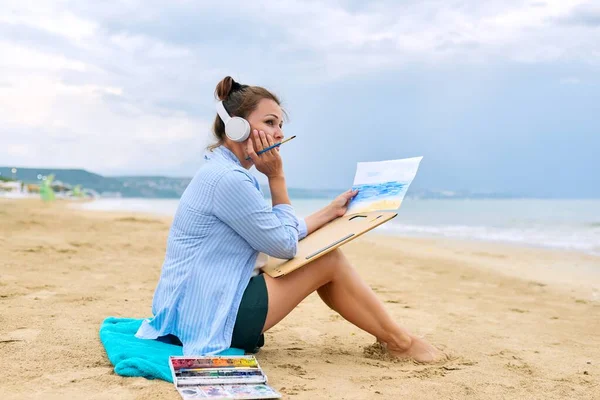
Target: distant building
[(11, 186), (14, 189)]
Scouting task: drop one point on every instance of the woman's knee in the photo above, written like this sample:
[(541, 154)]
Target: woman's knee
[(331, 263), (336, 256)]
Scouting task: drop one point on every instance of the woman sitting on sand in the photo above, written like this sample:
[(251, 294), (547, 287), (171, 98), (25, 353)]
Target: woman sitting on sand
[(211, 294)]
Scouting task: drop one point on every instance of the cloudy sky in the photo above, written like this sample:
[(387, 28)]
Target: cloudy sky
[(496, 95)]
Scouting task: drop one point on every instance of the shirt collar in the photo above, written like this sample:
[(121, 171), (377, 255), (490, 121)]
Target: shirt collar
[(224, 153)]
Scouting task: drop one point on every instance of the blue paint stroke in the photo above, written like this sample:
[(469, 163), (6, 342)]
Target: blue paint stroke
[(378, 191)]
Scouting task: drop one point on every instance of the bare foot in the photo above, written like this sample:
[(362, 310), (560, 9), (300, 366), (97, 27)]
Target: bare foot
[(419, 351)]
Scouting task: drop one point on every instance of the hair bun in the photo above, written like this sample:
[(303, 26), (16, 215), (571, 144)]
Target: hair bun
[(226, 87)]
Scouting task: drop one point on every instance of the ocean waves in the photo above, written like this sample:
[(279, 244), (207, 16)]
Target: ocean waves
[(573, 238)]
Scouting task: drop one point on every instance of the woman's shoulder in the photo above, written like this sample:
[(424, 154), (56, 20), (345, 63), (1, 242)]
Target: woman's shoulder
[(218, 163), (216, 171), (220, 176)]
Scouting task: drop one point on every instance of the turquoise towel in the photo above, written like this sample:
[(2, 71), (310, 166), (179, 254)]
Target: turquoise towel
[(140, 357)]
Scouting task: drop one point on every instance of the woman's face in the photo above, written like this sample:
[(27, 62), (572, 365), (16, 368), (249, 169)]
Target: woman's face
[(268, 117)]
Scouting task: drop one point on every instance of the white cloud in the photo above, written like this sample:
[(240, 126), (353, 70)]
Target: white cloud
[(122, 82), (52, 17), (49, 123), (15, 56), (94, 104), (394, 33), (337, 39)]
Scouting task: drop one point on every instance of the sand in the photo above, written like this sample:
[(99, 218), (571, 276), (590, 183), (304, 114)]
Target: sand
[(517, 323)]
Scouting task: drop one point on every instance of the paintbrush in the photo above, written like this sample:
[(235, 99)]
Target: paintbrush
[(273, 146)]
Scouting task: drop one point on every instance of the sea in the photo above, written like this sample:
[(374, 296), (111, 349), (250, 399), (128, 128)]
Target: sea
[(559, 224)]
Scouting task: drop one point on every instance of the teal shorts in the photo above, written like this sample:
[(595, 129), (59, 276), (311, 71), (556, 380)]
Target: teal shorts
[(250, 319), (251, 316)]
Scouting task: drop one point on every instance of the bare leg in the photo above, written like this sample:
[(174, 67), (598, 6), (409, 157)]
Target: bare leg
[(342, 289), (418, 350)]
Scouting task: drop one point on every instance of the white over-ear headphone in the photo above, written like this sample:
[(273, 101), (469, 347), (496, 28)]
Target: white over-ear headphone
[(236, 128)]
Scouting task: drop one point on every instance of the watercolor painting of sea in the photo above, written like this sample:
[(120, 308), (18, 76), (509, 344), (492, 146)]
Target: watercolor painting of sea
[(382, 185)]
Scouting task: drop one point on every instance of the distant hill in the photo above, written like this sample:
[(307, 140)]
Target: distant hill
[(173, 187), (135, 186), (155, 187), (71, 176)]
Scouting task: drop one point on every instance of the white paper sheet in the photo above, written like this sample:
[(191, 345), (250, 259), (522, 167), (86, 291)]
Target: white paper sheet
[(382, 184)]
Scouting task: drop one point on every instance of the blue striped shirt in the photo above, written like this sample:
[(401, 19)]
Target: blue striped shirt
[(220, 226)]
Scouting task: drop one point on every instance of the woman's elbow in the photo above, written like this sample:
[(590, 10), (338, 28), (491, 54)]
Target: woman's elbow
[(286, 249)]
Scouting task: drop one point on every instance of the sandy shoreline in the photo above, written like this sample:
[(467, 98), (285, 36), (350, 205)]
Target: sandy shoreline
[(518, 322)]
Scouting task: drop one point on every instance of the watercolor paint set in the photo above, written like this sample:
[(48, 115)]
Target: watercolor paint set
[(220, 377)]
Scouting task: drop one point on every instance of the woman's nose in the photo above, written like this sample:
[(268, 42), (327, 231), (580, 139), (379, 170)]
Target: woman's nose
[(278, 134)]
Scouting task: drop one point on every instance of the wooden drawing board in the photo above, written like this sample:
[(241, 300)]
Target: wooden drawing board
[(327, 238)]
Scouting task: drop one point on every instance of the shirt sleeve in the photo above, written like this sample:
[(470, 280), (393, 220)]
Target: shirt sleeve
[(239, 204), (302, 228)]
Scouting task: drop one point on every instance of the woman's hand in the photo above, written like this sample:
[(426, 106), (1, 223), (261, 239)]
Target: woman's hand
[(269, 162), (333, 210), (339, 205)]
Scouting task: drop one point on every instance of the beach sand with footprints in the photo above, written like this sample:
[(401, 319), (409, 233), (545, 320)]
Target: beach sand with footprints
[(515, 322)]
